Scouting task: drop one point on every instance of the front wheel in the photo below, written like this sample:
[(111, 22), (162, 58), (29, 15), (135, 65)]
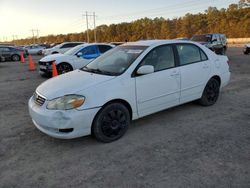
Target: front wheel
[(111, 123), (211, 93), (64, 68), (15, 57)]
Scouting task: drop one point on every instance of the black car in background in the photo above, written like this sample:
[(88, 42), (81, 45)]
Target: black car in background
[(10, 53), (216, 42), (246, 49)]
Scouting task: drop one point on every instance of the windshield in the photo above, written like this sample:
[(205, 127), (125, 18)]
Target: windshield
[(115, 61), (73, 51), (202, 38)]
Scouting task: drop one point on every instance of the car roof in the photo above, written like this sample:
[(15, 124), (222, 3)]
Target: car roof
[(91, 44), (72, 42), (154, 42)]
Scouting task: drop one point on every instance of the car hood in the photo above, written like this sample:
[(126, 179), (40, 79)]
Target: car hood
[(70, 83), (56, 57)]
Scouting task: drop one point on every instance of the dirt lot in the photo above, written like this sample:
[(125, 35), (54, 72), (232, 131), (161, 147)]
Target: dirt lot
[(186, 146)]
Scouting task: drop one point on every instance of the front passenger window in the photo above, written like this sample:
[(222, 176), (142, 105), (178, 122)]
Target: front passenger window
[(160, 58)]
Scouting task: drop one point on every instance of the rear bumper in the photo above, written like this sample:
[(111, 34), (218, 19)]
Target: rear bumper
[(225, 79)]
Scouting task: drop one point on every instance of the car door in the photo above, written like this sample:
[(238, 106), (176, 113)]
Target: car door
[(161, 89), (6, 52), (195, 69)]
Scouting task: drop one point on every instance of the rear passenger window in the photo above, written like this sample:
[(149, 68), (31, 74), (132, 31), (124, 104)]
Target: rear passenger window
[(104, 48), (160, 58), (189, 53), (203, 56)]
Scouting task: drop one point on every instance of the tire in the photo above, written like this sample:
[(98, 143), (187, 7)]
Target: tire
[(15, 57), (111, 123), (64, 68), (211, 93), (223, 51)]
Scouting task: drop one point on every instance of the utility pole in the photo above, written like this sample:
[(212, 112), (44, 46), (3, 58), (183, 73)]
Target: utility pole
[(33, 34), (87, 15), (94, 16), (87, 22)]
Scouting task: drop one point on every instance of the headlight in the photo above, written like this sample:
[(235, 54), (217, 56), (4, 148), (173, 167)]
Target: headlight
[(66, 102)]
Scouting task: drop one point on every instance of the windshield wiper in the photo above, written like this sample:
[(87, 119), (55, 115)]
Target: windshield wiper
[(98, 71)]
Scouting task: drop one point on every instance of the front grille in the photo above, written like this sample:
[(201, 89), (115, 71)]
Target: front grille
[(39, 100), (48, 63)]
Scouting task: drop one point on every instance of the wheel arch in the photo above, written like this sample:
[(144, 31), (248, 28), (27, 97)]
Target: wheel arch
[(216, 77), (122, 101), (64, 62)]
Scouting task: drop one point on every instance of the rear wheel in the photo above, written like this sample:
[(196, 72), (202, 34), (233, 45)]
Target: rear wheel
[(64, 68), (111, 123), (223, 51), (211, 93), (15, 57)]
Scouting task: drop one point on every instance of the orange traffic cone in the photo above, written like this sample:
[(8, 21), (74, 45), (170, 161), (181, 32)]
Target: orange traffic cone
[(22, 60), (54, 70), (31, 64)]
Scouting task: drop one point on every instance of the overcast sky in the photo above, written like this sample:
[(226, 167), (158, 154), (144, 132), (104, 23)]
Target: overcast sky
[(18, 17)]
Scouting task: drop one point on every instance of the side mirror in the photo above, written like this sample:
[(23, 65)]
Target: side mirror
[(145, 69), (79, 54)]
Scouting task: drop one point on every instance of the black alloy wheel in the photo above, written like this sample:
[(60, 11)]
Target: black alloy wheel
[(111, 123), (211, 93)]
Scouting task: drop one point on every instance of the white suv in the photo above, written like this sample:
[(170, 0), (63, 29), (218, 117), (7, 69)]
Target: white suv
[(127, 83), (61, 48)]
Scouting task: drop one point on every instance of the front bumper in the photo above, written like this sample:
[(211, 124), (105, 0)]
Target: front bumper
[(45, 67), (55, 122)]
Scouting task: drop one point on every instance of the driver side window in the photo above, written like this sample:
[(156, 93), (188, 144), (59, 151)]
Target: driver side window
[(160, 58), (90, 50)]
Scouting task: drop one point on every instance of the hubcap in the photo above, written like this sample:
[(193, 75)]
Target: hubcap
[(113, 123), (212, 92)]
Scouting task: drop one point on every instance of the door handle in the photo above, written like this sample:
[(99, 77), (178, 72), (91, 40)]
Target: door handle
[(205, 66)]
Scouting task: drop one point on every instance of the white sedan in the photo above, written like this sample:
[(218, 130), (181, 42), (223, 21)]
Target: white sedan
[(128, 82), (35, 49), (74, 58), (61, 48)]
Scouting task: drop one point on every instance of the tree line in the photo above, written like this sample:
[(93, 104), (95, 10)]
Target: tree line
[(233, 21)]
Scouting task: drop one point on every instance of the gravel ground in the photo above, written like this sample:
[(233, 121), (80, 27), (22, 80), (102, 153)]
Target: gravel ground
[(186, 146)]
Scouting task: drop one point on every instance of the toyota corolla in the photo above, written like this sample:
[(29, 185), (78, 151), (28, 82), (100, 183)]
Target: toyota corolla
[(126, 83)]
